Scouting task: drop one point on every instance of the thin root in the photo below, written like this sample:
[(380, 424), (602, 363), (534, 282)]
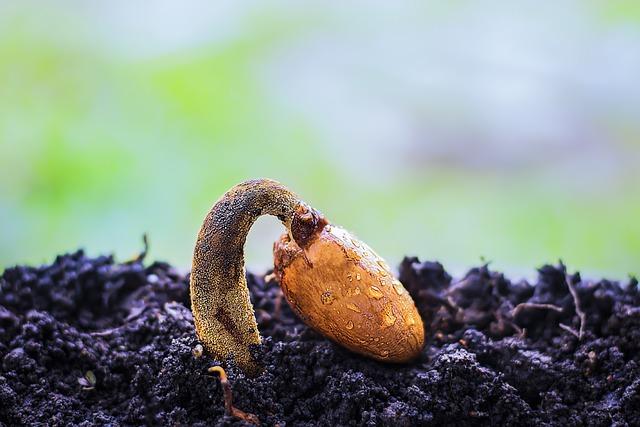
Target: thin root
[(502, 320), (525, 305), (228, 398), (576, 301), (569, 329)]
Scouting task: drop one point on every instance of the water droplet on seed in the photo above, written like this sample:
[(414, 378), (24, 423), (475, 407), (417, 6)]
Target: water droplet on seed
[(349, 325), (388, 318), (398, 287), (409, 320), (353, 307), (375, 292)]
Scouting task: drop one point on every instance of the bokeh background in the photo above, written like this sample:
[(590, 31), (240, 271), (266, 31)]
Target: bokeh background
[(455, 131)]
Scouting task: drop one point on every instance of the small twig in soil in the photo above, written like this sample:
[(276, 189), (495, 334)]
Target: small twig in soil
[(569, 329), (576, 301), (526, 305), (142, 255), (228, 398)]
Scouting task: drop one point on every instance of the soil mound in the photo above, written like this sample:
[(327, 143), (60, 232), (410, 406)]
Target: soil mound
[(88, 341)]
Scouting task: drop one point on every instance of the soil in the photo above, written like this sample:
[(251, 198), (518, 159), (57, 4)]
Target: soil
[(88, 341)]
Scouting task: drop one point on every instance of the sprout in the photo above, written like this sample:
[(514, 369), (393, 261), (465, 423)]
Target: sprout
[(334, 282)]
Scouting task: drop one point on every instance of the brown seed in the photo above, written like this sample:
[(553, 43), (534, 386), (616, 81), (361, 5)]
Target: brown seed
[(386, 313)]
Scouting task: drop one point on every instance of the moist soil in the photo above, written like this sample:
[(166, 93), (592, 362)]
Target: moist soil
[(88, 341)]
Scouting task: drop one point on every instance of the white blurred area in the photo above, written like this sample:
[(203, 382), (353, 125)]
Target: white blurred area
[(498, 86)]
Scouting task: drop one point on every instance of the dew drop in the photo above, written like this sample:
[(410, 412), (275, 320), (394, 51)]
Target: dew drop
[(350, 277), (349, 325), (356, 291), (375, 292), (388, 318), (383, 265), (409, 320), (398, 287), (357, 276), (353, 307)]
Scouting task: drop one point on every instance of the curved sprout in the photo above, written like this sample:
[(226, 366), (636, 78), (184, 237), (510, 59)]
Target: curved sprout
[(222, 312), (315, 264)]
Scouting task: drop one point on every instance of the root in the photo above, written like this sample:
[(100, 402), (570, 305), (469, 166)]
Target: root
[(576, 301), (570, 330), (505, 321), (527, 305), (228, 398)]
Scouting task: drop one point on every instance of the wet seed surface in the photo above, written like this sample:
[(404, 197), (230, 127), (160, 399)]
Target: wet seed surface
[(87, 341)]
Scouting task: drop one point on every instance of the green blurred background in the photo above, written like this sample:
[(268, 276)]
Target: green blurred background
[(455, 131)]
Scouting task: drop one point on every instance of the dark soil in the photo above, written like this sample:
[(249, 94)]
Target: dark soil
[(87, 341)]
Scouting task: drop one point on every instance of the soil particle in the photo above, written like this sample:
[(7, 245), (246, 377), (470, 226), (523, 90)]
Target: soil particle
[(87, 341)]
